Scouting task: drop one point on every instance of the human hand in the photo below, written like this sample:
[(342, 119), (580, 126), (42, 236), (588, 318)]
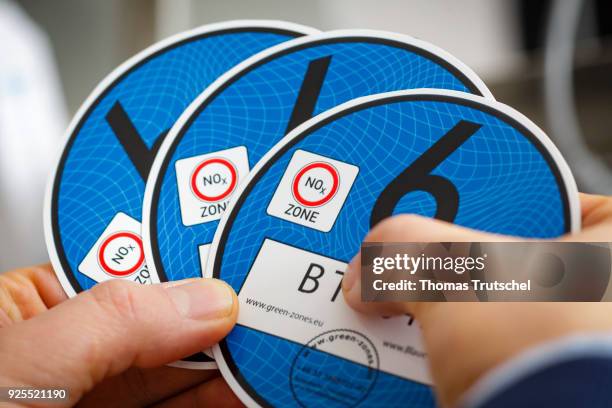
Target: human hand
[(466, 340), (108, 346)]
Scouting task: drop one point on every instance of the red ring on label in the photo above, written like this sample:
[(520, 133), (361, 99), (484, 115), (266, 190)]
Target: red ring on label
[(296, 181), (108, 240), (223, 162)]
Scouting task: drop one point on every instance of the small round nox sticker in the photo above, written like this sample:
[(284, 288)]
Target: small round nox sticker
[(121, 254), (315, 184), (444, 154), (253, 106), (98, 186), (214, 179)]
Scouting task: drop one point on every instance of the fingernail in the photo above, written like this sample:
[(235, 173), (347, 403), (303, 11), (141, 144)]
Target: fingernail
[(202, 299), (351, 284)]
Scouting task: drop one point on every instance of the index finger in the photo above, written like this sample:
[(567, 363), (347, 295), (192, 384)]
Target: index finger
[(26, 292)]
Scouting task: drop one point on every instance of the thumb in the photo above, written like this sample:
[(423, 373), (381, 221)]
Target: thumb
[(114, 326), (406, 228)]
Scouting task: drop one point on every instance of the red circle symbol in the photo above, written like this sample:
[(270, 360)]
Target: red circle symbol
[(328, 196), (116, 272), (217, 160)]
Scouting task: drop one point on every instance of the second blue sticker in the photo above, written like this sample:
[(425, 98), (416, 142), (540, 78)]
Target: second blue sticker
[(225, 132)]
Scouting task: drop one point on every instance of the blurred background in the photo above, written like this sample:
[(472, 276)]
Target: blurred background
[(552, 60)]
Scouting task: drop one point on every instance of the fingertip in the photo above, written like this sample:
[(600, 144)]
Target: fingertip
[(204, 299), (227, 322), (351, 275), (48, 285), (208, 306), (351, 287), (233, 316)]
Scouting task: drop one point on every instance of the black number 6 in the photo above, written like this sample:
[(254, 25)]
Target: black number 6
[(417, 177)]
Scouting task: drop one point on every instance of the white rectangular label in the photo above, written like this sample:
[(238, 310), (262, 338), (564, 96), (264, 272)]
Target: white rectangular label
[(312, 190), (296, 295), (206, 183)]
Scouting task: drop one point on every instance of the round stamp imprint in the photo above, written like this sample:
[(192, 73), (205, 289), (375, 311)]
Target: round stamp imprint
[(336, 368)]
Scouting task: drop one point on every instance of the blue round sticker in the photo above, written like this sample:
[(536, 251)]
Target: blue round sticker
[(234, 122), (94, 203), (302, 213)]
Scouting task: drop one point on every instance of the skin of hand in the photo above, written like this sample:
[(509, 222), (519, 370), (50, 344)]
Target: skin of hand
[(466, 340), (108, 346)]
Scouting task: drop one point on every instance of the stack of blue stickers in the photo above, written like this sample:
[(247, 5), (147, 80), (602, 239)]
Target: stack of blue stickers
[(267, 169)]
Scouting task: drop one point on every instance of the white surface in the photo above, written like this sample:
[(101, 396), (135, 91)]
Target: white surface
[(482, 33), (172, 16), (32, 119)]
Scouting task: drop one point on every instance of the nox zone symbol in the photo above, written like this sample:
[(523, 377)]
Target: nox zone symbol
[(446, 154), (312, 190), (115, 253), (113, 139), (315, 184), (218, 175), (254, 106), (206, 182), (118, 253)]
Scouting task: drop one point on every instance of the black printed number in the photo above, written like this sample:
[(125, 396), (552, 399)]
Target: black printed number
[(418, 177), (127, 134), (309, 92), (142, 157)]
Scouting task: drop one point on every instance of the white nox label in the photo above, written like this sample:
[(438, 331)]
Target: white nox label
[(296, 294), (118, 253), (206, 183), (313, 190)]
